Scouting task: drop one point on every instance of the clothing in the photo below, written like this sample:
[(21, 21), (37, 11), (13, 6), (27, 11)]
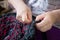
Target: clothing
[(40, 6), (12, 29), (53, 34)]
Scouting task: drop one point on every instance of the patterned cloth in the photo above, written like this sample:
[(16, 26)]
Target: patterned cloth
[(12, 29)]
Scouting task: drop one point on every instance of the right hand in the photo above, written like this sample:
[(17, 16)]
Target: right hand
[(24, 13)]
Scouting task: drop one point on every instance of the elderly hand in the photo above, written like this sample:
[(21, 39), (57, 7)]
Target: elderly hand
[(48, 19)]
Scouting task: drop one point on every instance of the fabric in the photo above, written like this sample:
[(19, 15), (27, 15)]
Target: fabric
[(12, 29), (38, 35), (37, 6), (41, 6), (53, 34)]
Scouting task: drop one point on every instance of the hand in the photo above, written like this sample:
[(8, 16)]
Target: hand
[(24, 13), (49, 18)]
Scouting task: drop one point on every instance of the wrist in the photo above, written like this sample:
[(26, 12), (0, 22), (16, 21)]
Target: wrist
[(56, 15), (16, 3)]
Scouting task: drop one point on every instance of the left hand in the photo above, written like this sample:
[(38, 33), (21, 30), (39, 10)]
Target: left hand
[(49, 18)]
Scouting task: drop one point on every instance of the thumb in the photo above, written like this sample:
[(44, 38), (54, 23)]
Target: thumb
[(25, 18), (18, 16)]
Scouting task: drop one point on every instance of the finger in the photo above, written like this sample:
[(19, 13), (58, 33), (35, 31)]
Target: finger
[(45, 28), (29, 15), (19, 18), (40, 17), (43, 23), (25, 18)]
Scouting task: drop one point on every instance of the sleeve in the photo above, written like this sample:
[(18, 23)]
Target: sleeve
[(38, 6)]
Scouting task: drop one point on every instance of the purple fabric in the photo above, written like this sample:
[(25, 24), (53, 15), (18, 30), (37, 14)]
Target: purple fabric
[(53, 34), (38, 35)]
